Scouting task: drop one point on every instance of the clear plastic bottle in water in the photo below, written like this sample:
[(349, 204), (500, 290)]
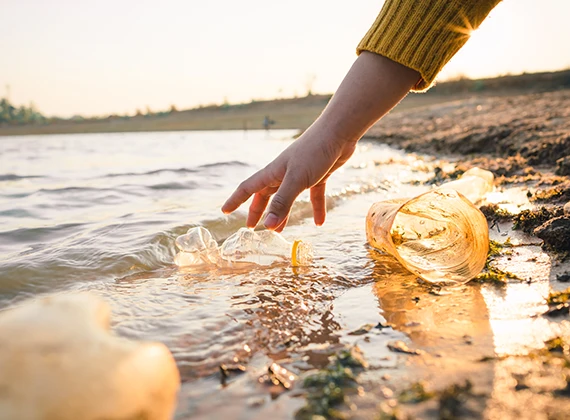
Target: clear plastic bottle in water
[(264, 248), (198, 247), (440, 236)]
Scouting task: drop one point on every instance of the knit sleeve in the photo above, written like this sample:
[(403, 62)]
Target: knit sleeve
[(424, 34)]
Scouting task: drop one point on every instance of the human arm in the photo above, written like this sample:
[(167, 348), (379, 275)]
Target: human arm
[(373, 86), (408, 44)]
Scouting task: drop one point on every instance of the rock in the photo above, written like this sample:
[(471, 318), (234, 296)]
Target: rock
[(567, 209), (555, 233), (563, 166), (401, 347), (58, 360)]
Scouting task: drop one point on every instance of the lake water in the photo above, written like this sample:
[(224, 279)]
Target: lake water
[(100, 212)]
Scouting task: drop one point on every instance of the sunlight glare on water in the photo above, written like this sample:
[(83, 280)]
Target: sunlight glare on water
[(100, 212)]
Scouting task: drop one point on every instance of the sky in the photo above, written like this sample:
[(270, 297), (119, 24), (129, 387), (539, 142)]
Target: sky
[(104, 57)]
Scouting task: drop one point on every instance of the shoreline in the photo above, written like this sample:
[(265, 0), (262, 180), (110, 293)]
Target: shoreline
[(289, 113)]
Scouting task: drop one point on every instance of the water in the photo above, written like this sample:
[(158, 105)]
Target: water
[(101, 212)]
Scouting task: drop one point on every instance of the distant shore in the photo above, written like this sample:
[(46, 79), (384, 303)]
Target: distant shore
[(292, 113)]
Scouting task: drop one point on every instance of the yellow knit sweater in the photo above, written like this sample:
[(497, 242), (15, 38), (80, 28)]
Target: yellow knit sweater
[(424, 34)]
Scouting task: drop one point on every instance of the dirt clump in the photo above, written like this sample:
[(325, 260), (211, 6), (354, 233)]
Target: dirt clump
[(529, 220), (555, 233)]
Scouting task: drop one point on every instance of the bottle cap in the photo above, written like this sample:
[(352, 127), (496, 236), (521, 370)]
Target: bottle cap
[(301, 254), (294, 248)]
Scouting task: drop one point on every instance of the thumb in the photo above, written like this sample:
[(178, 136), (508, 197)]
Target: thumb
[(282, 201)]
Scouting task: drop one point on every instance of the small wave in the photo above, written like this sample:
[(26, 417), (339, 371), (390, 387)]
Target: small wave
[(155, 172), (222, 164), (179, 170), (174, 186), (14, 177), (30, 235), (80, 256), (18, 213)]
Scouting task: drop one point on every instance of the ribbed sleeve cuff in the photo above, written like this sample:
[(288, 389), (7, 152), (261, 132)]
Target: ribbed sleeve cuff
[(424, 34)]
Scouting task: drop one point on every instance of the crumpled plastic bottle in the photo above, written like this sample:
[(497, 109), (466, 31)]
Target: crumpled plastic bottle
[(198, 247), (264, 248), (440, 235)]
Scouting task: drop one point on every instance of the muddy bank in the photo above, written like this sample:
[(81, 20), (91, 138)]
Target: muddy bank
[(525, 131)]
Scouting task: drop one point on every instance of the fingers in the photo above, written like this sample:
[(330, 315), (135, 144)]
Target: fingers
[(318, 200), (246, 189), (280, 228), (258, 206), (282, 201)]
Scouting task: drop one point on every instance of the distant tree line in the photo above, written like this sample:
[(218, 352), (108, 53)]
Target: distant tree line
[(19, 115)]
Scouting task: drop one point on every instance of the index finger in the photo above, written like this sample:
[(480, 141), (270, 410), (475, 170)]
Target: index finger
[(246, 189)]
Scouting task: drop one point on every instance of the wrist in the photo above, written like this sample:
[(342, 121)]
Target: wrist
[(372, 87), (330, 129)]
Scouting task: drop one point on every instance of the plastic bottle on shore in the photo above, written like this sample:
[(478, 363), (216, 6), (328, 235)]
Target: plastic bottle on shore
[(264, 248), (474, 184), (440, 235), (198, 247)]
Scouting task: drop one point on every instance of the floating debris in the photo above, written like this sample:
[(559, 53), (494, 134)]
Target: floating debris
[(228, 371), (278, 378), (381, 326), (362, 330), (401, 347), (281, 376), (563, 278)]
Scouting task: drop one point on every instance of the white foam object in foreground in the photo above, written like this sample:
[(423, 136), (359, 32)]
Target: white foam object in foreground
[(58, 360)]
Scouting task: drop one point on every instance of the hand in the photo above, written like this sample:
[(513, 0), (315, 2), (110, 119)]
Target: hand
[(307, 163), (370, 89)]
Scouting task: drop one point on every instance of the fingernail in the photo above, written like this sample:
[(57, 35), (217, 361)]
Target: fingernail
[(271, 221)]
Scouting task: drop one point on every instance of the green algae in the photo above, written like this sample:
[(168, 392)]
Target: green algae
[(452, 400), (327, 387), (494, 275), (495, 248), (528, 220), (496, 214), (389, 413), (547, 194), (416, 393), (557, 345), (556, 298)]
